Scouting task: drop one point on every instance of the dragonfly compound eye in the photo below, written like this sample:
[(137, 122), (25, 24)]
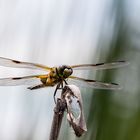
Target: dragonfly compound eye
[(67, 72)]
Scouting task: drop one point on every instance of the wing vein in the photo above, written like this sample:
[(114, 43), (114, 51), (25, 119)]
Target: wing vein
[(18, 64), (94, 84)]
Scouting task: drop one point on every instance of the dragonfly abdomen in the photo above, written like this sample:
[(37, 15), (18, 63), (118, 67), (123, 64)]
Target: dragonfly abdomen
[(49, 81)]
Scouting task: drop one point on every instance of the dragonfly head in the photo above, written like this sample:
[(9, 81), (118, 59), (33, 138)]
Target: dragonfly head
[(64, 71)]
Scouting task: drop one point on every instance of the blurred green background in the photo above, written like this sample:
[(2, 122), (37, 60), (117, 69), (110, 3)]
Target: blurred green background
[(55, 32)]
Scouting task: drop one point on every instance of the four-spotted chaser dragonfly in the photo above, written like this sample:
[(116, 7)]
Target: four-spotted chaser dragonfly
[(57, 75)]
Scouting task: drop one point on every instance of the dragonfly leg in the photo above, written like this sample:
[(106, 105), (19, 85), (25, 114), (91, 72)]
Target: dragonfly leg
[(57, 87), (65, 82), (36, 87), (61, 85)]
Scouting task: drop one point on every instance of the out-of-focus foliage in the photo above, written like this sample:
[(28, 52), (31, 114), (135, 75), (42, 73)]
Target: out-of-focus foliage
[(56, 32), (116, 114)]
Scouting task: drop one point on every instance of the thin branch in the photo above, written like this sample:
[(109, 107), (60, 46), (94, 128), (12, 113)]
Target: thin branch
[(57, 119)]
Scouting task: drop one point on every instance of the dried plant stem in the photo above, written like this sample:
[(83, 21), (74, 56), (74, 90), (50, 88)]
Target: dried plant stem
[(57, 119)]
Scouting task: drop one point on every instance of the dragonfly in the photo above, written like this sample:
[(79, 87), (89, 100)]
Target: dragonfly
[(57, 76)]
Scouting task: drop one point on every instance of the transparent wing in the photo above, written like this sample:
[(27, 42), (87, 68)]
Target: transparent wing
[(99, 66), (93, 83), (27, 80), (18, 64)]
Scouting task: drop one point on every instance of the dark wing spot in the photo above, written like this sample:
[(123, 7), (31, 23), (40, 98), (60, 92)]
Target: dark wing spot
[(114, 83), (99, 64), (88, 80), (16, 78), (122, 61), (15, 61)]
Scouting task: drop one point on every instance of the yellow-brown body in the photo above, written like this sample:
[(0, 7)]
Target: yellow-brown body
[(55, 76)]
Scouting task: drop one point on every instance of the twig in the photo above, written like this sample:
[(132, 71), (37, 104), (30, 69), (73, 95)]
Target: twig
[(70, 96), (57, 119)]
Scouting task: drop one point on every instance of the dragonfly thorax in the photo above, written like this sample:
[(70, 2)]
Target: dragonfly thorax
[(64, 71)]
